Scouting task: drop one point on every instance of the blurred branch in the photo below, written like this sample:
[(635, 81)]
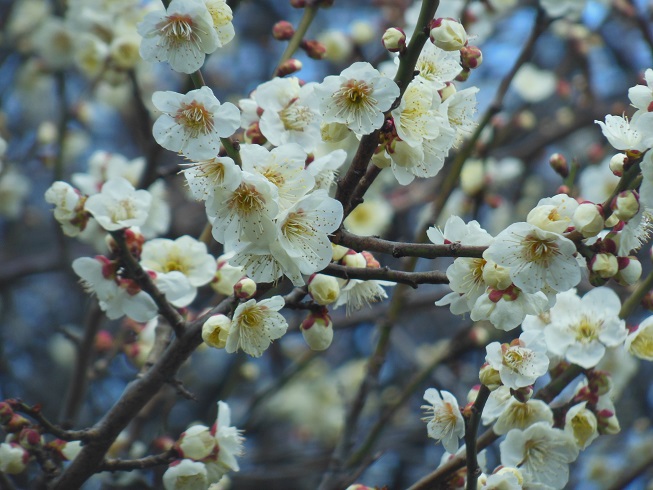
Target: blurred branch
[(310, 11), (138, 464), (412, 279), (636, 297), (471, 428), (35, 413)]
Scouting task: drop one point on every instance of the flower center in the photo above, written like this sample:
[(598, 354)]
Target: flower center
[(252, 317), (295, 227), (195, 118), (123, 211), (587, 330), (295, 117), (174, 262), (354, 95), (542, 250), (246, 200), (177, 29), (274, 175)]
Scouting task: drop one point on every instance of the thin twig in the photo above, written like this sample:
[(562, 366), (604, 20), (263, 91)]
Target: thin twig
[(49, 427), (138, 464), (471, 428), (412, 279)]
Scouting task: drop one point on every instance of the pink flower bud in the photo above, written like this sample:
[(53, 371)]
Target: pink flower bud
[(314, 49), (394, 40), (317, 330), (471, 57), (282, 30), (29, 438), (559, 163), (288, 67), (463, 75), (254, 136), (245, 288), (630, 270), (522, 395), (103, 341), (605, 265)]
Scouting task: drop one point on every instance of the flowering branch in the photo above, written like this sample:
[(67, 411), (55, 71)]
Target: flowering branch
[(310, 11), (145, 282)]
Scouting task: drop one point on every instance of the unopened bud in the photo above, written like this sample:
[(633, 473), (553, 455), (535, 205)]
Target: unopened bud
[(559, 163), (605, 265), (588, 219), (463, 76), (282, 30), (600, 382), (489, 377), (630, 270), (496, 276), (103, 341), (394, 40), (353, 259), (370, 260), (16, 423), (317, 330), (314, 49), (607, 422), (245, 288), (324, 289), (471, 57), (29, 438), (196, 443), (216, 330), (253, 134), (288, 67), (472, 394), (338, 251), (134, 240), (611, 221), (448, 90), (6, 412), (448, 34), (626, 205), (522, 395), (617, 163)]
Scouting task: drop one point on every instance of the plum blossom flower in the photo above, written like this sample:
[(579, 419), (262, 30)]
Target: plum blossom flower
[(510, 413), (186, 475), (116, 298), (255, 325), (446, 423), (581, 423), (640, 341), (69, 207), (193, 123), (437, 66), (357, 97), (119, 205), (623, 134), (185, 256), (521, 362), (182, 35), (582, 328), (221, 15), (229, 441), (204, 176), (641, 96), (541, 452), (536, 258)]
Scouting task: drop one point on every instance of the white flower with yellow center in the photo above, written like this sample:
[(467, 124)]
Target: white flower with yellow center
[(255, 325), (185, 256), (508, 413), (185, 474), (446, 423), (283, 167), (193, 123), (541, 452), (460, 108), (640, 341), (290, 112), (437, 66), (581, 423), (357, 97), (414, 118), (119, 205), (182, 35), (521, 362), (582, 328), (221, 15), (245, 213), (229, 440), (324, 169), (554, 213), (204, 176), (536, 258)]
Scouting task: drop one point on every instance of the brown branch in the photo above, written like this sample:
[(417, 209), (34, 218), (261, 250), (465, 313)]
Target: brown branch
[(138, 464), (412, 279), (471, 428), (49, 427), (403, 249)]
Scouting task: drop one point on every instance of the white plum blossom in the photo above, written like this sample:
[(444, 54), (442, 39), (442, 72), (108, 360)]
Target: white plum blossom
[(554, 213), (290, 112), (186, 475), (193, 123), (103, 166), (460, 108), (541, 452), (115, 298), (580, 329), (13, 458), (245, 213), (221, 15), (437, 66), (640, 341), (196, 442), (581, 424), (255, 325), (509, 413), (622, 134), (536, 258), (182, 35), (356, 293), (507, 308), (445, 421), (69, 210), (229, 442), (119, 205), (357, 97), (521, 362), (641, 96), (186, 256), (204, 176), (324, 169)]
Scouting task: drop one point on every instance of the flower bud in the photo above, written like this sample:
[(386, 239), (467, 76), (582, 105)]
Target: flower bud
[(29, 438), (185, 474), (338, 251), (472, 394), (489, 377), (522, 395), (630, 270), (448, 90), (103, 341), (612, 221), (448, 34), (605, 265), (288, 67), (463, 76), (370, 260), (617, 163), (353, 259), (324, 289), (216, 330), (245, 288), (625, 205), (317, 330), (588, 219), (253, 134), (472, 177), (394, 40), (282, 30), (314, 49), (16, 423), (6, 412), (196, 443), (608, 422), (495, 276), (471, 57), (559, 164)]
